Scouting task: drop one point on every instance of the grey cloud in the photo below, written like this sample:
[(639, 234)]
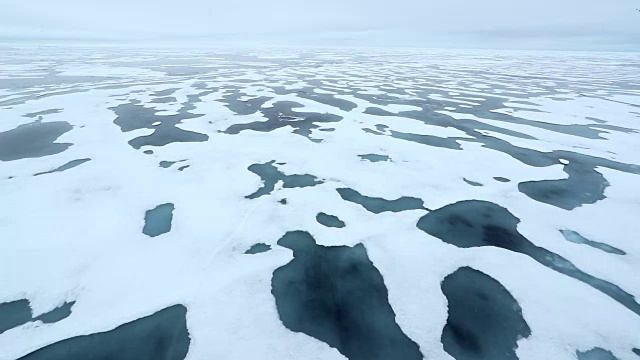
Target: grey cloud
[(572, 24)]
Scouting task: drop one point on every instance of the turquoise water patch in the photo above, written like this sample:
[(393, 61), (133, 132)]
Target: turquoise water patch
[(16, 313), (243, 107), (166, 164), (336, 295), (33, 140), (57, 314), (430, 140), (576, 238), (476, 223), (485, 322), (374, 157), (330, 220), (70, 165), (133, 116), (308, 92), (270, 175), (165, 92), (281, 114), (472, 183), (258, 249), (161, 336), (501, 179), (40, 114), (581, 188), (164, 100), (596, 354), (157, 221), (380, 205)]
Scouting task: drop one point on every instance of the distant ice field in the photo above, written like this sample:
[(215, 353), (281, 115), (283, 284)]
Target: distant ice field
[(318, 204)]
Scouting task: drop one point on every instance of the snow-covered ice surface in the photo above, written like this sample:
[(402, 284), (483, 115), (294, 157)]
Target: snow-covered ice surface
[(317, 201)]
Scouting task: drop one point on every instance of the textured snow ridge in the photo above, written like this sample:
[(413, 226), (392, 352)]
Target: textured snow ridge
[(319, 204)]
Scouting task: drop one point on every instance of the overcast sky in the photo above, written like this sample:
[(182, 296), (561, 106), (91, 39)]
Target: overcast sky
[(550, 24)]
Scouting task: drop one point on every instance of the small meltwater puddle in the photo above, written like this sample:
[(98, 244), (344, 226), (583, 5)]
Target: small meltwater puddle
[(157, 221)]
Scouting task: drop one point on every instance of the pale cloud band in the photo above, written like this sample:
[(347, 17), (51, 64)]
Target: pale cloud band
[(546, 24)]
